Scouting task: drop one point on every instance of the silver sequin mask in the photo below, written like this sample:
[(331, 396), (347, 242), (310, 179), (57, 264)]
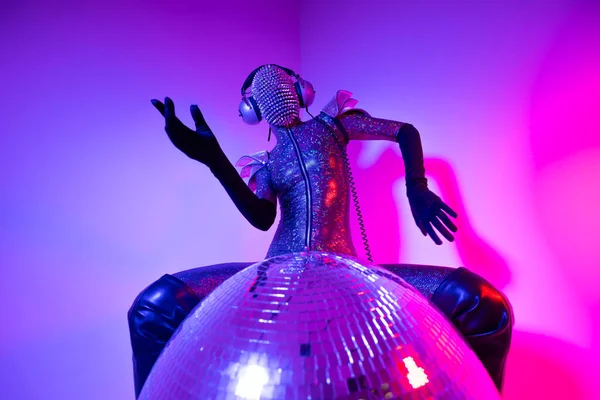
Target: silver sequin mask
[(274, 92)]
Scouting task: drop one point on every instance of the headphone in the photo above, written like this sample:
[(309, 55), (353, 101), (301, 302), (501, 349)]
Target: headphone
[(249, 109)]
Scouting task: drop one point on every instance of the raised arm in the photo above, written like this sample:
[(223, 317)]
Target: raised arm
[(359, 125), (428, 210), (201, 145)]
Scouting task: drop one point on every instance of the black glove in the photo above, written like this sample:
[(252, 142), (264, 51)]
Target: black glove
[(427, 210), (426, 207), (200, 145)]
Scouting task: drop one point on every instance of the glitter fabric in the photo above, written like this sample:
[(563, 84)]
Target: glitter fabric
[(306, 173), (361, 126), (425, 278), (357, 124), (204, 280), (316, 326), (274, 92)]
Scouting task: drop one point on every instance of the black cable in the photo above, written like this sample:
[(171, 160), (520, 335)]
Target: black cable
[(353, 191)]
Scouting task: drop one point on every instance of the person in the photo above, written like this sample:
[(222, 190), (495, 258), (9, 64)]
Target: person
[(307, 173)]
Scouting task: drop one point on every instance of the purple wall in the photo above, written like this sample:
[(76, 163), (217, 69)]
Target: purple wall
[(506, 96), (96, 203)]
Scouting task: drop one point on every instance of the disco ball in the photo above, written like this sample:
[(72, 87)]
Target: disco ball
[(317, 326)]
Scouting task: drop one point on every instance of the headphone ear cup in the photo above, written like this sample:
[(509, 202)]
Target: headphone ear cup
[(298, 88), (306, 93), (249, 111)]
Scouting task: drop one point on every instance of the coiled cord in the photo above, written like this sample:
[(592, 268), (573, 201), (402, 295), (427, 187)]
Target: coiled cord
[(353, 191)]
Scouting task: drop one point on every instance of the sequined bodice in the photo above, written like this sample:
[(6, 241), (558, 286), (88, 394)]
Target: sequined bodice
[(310, 179), (307, 174)]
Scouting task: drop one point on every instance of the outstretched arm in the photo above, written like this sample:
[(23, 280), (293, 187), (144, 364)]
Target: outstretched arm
[(428, 210), (359, 125), (201, 145)]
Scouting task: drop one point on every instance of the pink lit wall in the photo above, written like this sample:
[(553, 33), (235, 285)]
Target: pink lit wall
[(95, 202), (506, 96)]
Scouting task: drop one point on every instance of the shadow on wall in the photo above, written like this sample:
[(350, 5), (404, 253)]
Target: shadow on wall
[(475, 253)]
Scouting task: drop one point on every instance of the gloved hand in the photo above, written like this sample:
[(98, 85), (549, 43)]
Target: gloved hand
[(427, 210), (200, 145)]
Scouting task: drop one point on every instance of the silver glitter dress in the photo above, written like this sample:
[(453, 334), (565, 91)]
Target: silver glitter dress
[(305, 172)]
